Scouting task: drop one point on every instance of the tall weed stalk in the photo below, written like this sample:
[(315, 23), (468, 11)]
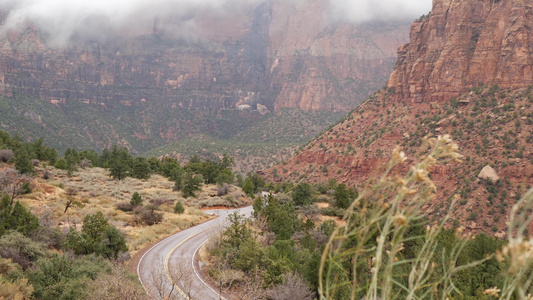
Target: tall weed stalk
[(379, 254)]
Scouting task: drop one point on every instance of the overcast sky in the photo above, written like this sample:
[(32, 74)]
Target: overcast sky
[(95, 19)]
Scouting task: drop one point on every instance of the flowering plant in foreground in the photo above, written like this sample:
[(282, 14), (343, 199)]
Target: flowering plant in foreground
[(366, 257)]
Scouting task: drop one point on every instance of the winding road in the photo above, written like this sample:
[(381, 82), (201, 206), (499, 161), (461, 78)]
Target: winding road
[(169, 270)]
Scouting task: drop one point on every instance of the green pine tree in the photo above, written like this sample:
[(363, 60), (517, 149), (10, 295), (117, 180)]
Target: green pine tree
[(120, 163), (302, 193), (191, 184), (248, 187), (136, 199), (23, 163), (141, 168), (178, 208)]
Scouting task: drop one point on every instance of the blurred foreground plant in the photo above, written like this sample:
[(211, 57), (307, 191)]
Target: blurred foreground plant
[(517, 255), (368, 258)]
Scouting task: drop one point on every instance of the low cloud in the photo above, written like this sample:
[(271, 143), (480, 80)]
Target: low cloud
[(65, 20), (360, 11)]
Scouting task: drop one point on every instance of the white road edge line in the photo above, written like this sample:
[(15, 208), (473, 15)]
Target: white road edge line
[(139, 264), (198, 275), (173, 250), (151, 248)]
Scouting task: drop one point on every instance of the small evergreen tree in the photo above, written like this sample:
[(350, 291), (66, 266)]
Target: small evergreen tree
[(301, 195), (16, 217), (225, 176), (61, 164), (343, 196), (141, 168), (191, 184), (96, 236), (248, 187), (136, 199), (23, 163), (120, 163), (178, 208)]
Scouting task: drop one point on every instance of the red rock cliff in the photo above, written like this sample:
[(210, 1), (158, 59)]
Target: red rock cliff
[(311, 60), (464, 44)]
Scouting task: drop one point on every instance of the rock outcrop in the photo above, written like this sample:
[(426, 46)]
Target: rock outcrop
[(465, 44), (488, 173)]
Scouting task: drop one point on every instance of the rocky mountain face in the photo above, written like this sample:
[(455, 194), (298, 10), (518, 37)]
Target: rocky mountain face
[(463, 45), (465, 72), (311, 60), (233, 71), (280, 54)]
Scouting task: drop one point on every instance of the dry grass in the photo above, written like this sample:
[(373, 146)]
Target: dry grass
[(92, 190)]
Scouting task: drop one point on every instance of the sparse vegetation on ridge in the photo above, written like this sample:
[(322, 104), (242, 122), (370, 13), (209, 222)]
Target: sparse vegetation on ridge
[(491, 125), (91, 216), (386, 246)]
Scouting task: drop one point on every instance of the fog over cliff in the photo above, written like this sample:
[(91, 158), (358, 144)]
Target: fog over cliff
[(65, 20), (359, 11)]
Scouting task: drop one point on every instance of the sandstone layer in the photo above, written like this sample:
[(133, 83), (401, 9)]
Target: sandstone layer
[(465, 44), (478, 90), (280, 54)]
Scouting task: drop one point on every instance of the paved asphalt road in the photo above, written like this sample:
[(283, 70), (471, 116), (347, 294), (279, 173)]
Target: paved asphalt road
[(173, 258)]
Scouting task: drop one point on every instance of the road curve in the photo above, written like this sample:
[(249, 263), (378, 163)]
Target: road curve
[(167, 270)]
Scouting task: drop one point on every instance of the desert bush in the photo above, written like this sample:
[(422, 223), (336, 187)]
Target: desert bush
[(284, 198), (15, 289), (223, 189), (147, 215), (46, 174), (65, 277), (6, 155), (85, 163), (117, 284), (35, 162), (157, 202), (47, 218), (124, 206), (311, 212), (292, 287), (52, 237), (323, 198), (11, 182), (21, 249), (71, 191)]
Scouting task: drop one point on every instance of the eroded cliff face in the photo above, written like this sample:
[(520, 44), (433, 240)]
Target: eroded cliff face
[(280, 54), (148, 68), (311, 59), (232, 72), (465, 44), (490, 117)]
